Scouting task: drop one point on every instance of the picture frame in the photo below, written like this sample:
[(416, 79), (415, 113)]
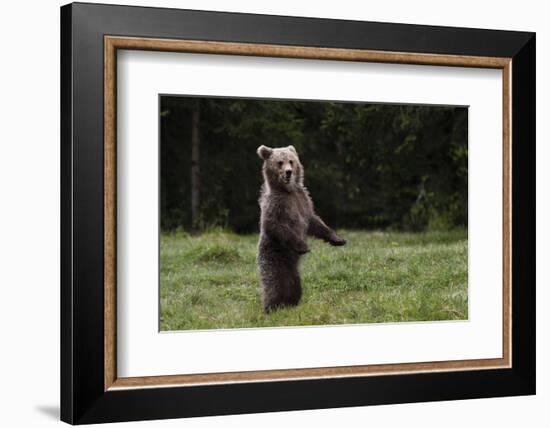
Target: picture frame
[(91, 391)]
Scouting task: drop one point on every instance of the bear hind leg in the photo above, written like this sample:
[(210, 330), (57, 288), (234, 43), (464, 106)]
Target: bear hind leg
[(295, 294), (285, 291), (274, 295)]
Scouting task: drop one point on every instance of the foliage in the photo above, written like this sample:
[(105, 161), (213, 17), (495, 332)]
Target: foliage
[(366, 165), (210, 280)]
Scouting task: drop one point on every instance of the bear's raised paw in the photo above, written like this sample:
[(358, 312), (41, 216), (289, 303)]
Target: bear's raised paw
[(337, 242)]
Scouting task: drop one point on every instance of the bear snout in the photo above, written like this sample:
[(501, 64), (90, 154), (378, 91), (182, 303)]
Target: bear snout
[(288, 173)]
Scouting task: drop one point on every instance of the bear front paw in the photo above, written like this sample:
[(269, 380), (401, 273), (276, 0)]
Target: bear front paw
[(301, 248), (337, 241)]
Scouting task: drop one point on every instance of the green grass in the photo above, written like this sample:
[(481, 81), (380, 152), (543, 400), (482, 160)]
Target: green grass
[(210, 281)]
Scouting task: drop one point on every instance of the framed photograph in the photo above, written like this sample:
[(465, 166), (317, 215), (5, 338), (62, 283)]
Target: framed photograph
[(265, 213)]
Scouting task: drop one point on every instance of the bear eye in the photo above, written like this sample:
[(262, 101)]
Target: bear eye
[(291, 163), (280, 164)]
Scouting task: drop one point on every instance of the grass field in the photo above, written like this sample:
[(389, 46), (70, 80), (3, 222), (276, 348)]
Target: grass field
[(210, 281)]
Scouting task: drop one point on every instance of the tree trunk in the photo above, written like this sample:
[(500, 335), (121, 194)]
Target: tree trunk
[(195, 165)]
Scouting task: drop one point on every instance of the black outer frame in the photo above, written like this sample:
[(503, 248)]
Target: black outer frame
[(83, 399)]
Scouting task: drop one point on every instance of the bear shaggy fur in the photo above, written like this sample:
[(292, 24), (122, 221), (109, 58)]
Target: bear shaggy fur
[(287, 218)]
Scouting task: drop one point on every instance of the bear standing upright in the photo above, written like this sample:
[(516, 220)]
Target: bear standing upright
[(287, 218)]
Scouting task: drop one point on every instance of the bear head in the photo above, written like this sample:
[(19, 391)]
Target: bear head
[(282, 168)]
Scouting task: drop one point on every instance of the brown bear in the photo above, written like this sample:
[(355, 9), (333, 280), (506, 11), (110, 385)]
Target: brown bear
[(287, 218)]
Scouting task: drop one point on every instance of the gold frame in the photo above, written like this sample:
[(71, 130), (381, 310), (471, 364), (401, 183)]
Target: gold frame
[(113, 43)]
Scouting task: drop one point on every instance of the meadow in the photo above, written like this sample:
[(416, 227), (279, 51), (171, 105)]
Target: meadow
[(210, 281)]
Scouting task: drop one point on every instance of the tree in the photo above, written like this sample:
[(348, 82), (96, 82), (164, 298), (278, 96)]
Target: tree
[(366, 165), (195, 163)]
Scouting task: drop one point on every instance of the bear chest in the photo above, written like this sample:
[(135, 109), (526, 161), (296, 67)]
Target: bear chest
[(297, 211)]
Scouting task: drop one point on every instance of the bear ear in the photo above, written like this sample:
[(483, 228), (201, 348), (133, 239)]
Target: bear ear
[(264, 152), (293, 149)]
